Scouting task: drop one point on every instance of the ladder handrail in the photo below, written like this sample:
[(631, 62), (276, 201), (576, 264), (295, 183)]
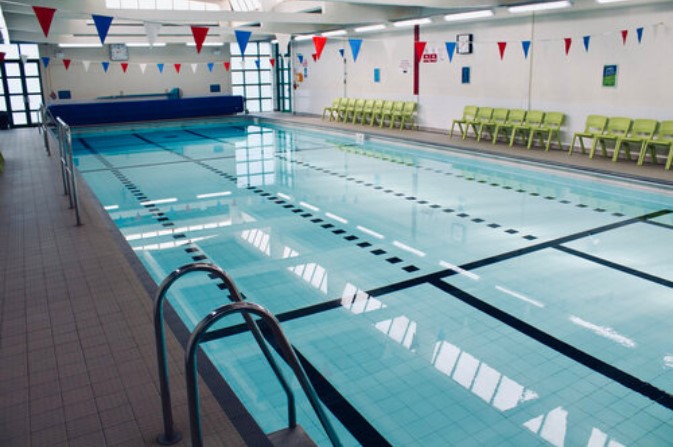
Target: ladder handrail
[(286, 351), (170, 436)]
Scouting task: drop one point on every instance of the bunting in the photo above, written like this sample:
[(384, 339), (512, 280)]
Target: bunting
[(355, 45), (419, 47), (44, 16), (501, 49), (319, 43), (272, 61), (199, 33), (257, 63), (143, 67), (568, 41), (342, 52), (86, 64), (625, 33), (105, 65), (227, 65), (66, 62), (315, 57), (242, 37), (450, 49), (300, 57), (45, 61), (152, 31), (160, 67), (177, 67), (283, 42), (525, 45), (2, 56), (639, 33), (586, 40), (193, 67), (125, 66), (210, 66), (102, 26)]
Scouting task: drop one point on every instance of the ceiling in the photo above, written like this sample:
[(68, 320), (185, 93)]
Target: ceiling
[(72, 22)]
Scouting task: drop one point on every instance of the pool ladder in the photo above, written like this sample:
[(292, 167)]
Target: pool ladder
[(200, 335)]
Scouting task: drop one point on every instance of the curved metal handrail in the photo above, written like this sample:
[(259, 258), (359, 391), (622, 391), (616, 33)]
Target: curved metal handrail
[(170, 436), (286, 351)]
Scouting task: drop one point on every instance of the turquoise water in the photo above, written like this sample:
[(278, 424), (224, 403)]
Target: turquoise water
[(443, 298)]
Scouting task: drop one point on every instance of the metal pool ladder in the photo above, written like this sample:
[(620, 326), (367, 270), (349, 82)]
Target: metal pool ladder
[(199, 335)]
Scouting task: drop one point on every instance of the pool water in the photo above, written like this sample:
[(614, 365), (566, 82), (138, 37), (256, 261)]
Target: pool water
[(436, 297)]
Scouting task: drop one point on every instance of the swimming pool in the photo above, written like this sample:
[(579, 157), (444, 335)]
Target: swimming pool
[(436, 297)]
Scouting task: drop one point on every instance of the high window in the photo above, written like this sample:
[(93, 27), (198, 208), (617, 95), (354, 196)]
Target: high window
[(251, 75), (20, 85)]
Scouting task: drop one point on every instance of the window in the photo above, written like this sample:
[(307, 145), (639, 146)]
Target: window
[(163, 5), (282, 73), (20, 85), (251, 76)]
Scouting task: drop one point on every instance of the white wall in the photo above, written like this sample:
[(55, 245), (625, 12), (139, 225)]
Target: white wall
[(96, 82), (547, 80)]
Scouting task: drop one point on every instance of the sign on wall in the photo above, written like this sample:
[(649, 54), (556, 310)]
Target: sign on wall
[(609, 75)]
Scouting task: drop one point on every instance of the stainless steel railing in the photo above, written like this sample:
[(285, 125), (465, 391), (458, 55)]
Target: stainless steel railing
[(68, 174)]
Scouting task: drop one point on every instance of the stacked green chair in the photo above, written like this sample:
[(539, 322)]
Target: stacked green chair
[(353, 108), (550, 128), (642, 130), (663, 139), (331, 109), (406, 115), (618, 127), (388, 114), (386, 110), (343, 107), (533, 120), (515, 117), (483, 115), (360, 106), (499, 117), (594, 126), (469, 113), (368, 115)]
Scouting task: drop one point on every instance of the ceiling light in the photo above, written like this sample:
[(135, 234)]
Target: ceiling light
[(304, 37), (145, 44), (80, 45), (370, 28), (532, 7), (339, 32), (609, 1), (206, 44), (413, 22), (468, 15)]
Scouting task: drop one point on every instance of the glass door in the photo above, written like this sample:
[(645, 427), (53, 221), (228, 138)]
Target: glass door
[(21, 85)]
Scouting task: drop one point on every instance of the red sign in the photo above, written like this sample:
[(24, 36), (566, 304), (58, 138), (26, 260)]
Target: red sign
[(430, 58)]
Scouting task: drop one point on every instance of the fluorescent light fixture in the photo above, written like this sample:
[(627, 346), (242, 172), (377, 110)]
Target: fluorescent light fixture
[(468, 15), (80, 45), (413, 22), (304, 37), (206, 44), (338, 32), (145, 44), (610, 1), (533, 7), (370, 28)]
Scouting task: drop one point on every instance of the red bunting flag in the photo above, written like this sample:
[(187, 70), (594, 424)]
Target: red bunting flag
[(568, 41), (125, 66), (2, 56), (319, 42), (44, 16), (272, 61), (419, 46), (315, 57), (625, 33), (501, 48), (66, 63), (199, 33), (227, 65), (177, 67)]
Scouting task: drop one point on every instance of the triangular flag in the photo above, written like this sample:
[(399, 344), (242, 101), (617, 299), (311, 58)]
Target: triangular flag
[(152, 31), (177, 67), (419, 46), (45, 61), (227, 65), (300, 57), (199, 33), (525, 45), (355, 44), (143, 67), (242, 37), (2, 56), (125, 66), (342, 52), (160, 67), (44, 16), (66, 62), (24, 58), (105, 65), (639, 33), (257, 63), (450, 49), (193, 67), (568, 41), (625, 33), (315, 57), (283, 41), (86, 64), (501, 49), (102, 25), (319, 43), (272, 61), (586, 40), (210, 66)]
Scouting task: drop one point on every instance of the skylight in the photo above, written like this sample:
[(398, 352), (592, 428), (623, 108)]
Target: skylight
[(162, 5), (245, 5)]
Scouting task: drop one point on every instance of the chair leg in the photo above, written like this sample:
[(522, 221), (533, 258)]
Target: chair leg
[(618, 148), (669, 160), (592, 151), (531, 136)]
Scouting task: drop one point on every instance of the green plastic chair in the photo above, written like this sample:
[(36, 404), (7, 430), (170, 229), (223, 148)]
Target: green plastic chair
[(550, 128), (352, 110), (397, 108), (514, 118), (663, 139), (331, 109), (469, 113), (534, 119), (406, 115), (343, 108), (499, 117), (368, 115), (360, 106), (642, 130), (618, 127), (484, 115), (386, 109), (595, 125)]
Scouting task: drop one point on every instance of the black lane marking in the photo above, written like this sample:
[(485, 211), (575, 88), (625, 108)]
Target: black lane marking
[(611, 372), (616, 266), (660, 224)]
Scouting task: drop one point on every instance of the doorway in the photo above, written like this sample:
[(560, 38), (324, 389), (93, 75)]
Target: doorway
[(21, 85)]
